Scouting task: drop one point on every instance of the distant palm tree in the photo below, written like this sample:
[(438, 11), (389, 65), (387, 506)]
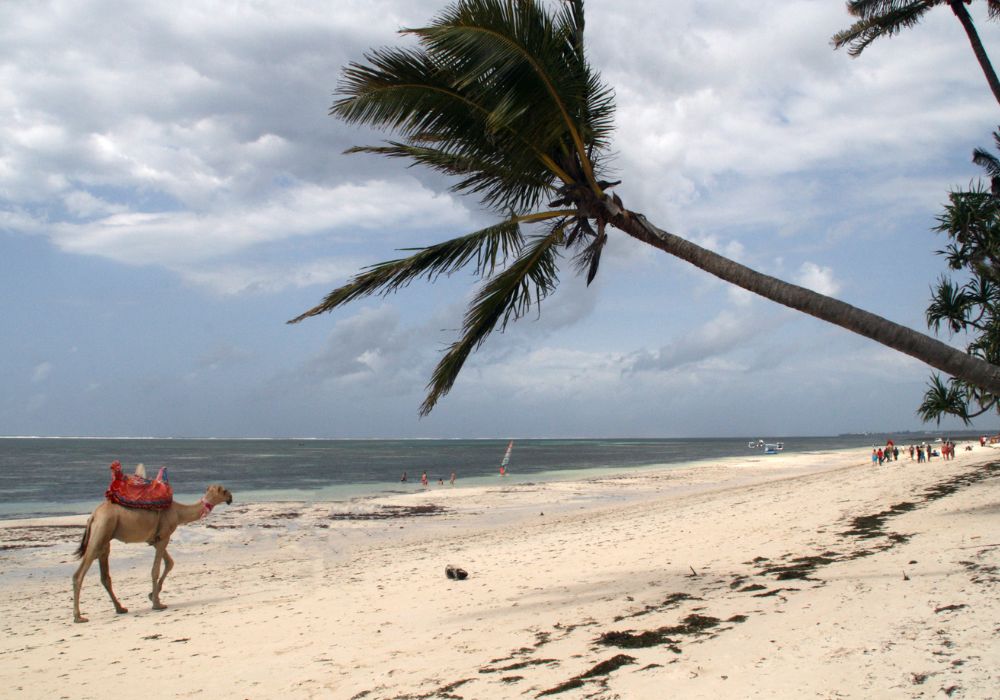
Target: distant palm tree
[(878, 18), (499, 94)]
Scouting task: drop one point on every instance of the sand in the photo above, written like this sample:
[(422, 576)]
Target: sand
[(795, 575)]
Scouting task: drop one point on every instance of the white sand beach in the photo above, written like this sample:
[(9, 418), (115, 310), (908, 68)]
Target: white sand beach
[(794, 575)]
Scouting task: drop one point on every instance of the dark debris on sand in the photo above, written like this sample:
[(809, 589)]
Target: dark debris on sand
[(391, 512), (38, 536), (519, 665), (693, 624), (671, 601), (800, 567), (445, 692), (598, 671)]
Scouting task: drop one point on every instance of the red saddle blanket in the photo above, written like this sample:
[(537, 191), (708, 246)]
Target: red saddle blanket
[(134, 491)]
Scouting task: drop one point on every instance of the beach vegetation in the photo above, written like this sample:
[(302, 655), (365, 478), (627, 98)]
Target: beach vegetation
[(499, 96), (968, 307), (885, 18)]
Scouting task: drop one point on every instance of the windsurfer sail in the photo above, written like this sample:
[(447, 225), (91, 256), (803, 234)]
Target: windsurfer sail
[(506, 459)]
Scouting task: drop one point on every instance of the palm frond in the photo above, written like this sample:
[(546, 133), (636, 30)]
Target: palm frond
[(879, 18), (949, 304), (590, 257), (526, 62), (413, 94), (987, 161), (487, 247), (581, 231), (494, 180), (506, 297), (943, 399)]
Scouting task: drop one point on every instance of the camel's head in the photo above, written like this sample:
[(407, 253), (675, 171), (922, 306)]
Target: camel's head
[(216, 494)]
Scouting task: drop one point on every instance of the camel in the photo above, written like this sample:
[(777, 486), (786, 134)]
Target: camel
[(110, 521)]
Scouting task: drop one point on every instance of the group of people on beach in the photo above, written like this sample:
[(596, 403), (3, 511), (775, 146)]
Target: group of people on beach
[(423, 479), (922, 453)]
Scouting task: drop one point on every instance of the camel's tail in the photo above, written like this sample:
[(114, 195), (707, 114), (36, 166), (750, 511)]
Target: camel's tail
[(83, 542)]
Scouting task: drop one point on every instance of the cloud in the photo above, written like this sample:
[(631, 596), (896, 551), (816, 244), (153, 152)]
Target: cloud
[(704, 347), (228, 148), (41, 372), (371, 350), (819, 279), (238, 279), (223, 357), (544, 374), (735, 101), (175, 238)]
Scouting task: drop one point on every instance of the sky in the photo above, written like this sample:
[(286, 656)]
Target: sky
[(172, 190)]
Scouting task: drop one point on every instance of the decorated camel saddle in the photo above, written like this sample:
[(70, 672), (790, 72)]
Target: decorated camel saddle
[(136, 491)]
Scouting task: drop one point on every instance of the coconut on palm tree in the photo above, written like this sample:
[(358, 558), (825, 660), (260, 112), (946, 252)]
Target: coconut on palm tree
[(883, 18), (499, 94)]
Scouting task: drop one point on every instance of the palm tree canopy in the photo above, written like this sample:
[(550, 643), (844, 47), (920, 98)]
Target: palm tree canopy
[(499, 95)]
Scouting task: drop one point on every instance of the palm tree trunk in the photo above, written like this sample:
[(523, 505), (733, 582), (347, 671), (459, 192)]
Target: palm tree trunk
[(922, 347), (958, 7)]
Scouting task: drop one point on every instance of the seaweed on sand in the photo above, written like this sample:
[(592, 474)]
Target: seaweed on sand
[(693, 624), (390, 512), (519, 665), (631, 640), (869, 526), (671, 601), (444, 691), (38, 536), (801, 567), (601, 669)]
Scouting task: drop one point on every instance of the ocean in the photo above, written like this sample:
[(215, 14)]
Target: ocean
[(68, 476)]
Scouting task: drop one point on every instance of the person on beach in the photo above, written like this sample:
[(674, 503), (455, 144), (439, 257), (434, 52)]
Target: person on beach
[(453, 478), (402, 479), (874, 457), (881, 456), (911, 453), (423, 479), (503, 470)]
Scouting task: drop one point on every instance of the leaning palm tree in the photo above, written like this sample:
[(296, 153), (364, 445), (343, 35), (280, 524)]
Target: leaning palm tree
[(499, 94), (879, 18)]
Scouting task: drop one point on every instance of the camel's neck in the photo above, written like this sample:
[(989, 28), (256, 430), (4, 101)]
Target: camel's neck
[(188, 513)]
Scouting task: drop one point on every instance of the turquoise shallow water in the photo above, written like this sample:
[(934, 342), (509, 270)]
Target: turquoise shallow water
[(56, 476)]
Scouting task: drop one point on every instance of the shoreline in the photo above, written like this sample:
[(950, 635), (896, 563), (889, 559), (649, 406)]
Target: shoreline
[(650, 573), (317, 471)]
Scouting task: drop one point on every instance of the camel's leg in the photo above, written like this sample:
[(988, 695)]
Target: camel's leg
[(81, 571), (168, 561), (96, 538), (106, 579)]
